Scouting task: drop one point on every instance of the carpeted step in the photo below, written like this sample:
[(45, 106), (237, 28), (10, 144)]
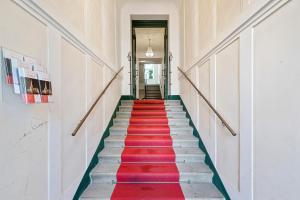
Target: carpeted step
[(188, 172), (151, 120), (174, 130), (149, 102), (148, 154), (170, 115), (195, 191), (166, 102), (148, 129), (148, 120), (151, 107), (148, 113), (182, 155), (147, 172), (182, 140), (148, 107), (138, 191), (148, 140)]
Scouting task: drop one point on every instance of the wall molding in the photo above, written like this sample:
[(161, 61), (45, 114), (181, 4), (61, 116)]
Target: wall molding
[(258, 16), (42, 15)]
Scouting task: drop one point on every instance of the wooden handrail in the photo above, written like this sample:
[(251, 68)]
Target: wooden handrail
[(94, 104), (209, 104)]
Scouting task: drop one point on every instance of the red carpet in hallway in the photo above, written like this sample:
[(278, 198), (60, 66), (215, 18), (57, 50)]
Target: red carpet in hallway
[(148, 169)]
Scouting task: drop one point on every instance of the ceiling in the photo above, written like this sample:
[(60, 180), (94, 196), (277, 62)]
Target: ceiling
[(157, 40)]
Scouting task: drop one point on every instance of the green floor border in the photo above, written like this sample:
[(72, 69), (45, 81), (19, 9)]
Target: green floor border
[(86, 180), (216, 178)]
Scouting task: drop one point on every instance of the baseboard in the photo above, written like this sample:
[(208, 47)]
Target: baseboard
[(69, 192), (216, 178), (127, 97)]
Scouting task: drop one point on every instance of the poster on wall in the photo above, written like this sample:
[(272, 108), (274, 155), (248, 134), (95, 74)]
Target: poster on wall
[(8, 68), (29, 84), (45, 87), (12, 62), (28, 77)]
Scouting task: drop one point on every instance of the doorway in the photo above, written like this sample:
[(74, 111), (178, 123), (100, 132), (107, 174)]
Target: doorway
[(150, 63)]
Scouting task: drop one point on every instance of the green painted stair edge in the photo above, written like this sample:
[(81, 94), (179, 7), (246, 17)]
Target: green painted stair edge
[(86, 180), (216, 178)]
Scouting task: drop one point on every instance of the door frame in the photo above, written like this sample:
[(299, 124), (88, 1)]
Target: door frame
[(166, 67)]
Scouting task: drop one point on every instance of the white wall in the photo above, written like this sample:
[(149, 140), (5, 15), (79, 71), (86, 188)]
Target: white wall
[(127, 8), (243, 56), (39, 158)]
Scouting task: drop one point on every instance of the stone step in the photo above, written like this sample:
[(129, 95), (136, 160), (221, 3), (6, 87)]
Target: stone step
[(183, 155), (153, 96), (153, 87), (153, 91), (191, 191), (167, 108), (174, 130), (171, 122), (170, 115), (183, 140), (188, 173), (166, 102)]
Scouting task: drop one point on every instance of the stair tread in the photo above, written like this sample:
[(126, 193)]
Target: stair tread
[(168, 112), (147, 117), (186, 168), (116, 151), (125, 101), (194, 191), (166, 106), (125, 126), (184, 137)]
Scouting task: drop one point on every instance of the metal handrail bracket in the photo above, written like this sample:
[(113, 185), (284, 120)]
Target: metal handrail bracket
[(209, 104), (95, 103)]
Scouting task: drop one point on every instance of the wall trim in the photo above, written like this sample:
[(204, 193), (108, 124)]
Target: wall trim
[(42, 15), (259, 15)]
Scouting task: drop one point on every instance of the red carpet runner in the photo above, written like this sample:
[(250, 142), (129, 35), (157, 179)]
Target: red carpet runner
[(148, 169)]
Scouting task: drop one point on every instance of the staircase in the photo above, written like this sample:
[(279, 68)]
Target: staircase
[(151, 153), (152, 92)]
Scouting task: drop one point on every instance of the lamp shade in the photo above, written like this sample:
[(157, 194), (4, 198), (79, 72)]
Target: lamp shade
[(149, 53)]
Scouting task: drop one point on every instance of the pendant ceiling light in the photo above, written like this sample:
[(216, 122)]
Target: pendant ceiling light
[(149, 52)]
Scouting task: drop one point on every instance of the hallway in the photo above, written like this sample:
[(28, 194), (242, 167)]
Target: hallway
[(197, 98)]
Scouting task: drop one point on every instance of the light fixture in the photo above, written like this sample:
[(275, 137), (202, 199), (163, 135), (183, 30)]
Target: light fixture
[(149, 53)]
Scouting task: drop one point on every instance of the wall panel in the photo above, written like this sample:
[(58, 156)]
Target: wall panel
[(73, 108), (227, 100), (204, 110), (23, 128), (95, 125), (40, 149), (276, 105), (193, 94)]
